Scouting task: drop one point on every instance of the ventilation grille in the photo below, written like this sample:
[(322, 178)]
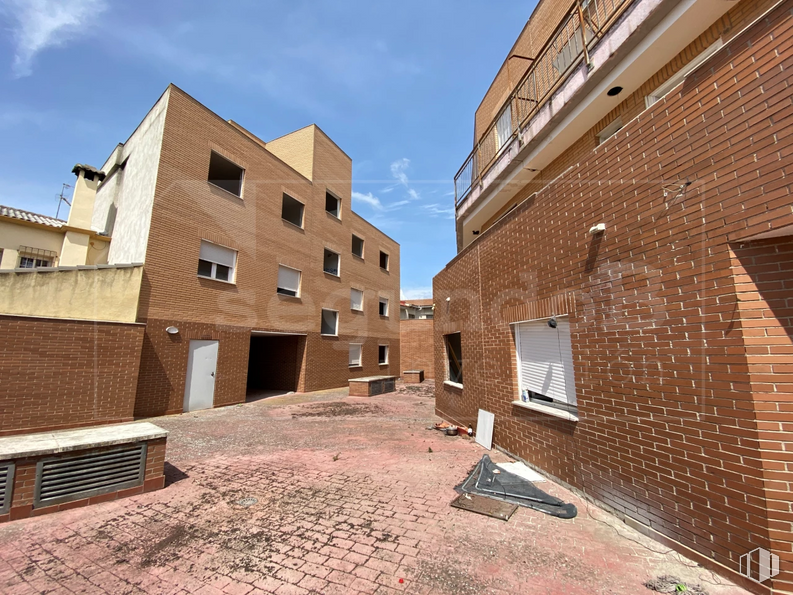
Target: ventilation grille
[(65, 479), (6, 485)]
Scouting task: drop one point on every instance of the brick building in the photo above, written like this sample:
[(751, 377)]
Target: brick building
[(416, 336), (253, 272), (621, 297)]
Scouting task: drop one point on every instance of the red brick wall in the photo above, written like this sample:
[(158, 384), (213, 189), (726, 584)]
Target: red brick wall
[(66, 373), (163, 368), (681, 334), (416, 337)]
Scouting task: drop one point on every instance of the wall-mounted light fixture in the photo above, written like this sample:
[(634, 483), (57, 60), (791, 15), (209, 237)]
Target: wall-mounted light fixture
[(552, 322), (172, 330), (596, 229)]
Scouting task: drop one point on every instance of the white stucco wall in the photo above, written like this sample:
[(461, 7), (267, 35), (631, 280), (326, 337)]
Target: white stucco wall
[(131, 191)]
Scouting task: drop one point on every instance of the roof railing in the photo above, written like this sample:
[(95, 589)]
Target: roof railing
[(583, 26)]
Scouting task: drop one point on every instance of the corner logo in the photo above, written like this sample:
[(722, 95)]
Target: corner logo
[(759, 565)]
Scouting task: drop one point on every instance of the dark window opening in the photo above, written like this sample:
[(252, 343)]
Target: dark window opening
[(331, 263), (330, 320), (357, 246), (382, 354), (225, 174), (204, 268), (383, 307), (383, 260), (454, 355), (292, 211), (332, 204)]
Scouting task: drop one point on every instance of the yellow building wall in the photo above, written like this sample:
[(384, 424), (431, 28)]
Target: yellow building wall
[(97, 294), (296, 150), (14, 235)]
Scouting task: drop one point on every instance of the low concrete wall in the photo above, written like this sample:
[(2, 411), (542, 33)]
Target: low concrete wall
[(105, 292)]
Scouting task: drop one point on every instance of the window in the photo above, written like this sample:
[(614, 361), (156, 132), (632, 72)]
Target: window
[(503, 128), (217, 262), (332, 205), (545, 363), (383, 307), (681, 74), (292, 211), (225, 174), (355, 354), (330, 322), (357, 246), (383, 260), (288, 281), (356, 299), (382, 354), (331, 263), (29, 262), (610, 130), (454, 356)]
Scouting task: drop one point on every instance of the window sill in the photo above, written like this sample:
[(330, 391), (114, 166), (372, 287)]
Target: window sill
[(547, 410), (295, 225), (353, 366), (291, 298), (332, 216), (338, 276), (216, 280), (324, 335), (453, 384), (384, 364), (229, 192), (361, 258), (356, 310)]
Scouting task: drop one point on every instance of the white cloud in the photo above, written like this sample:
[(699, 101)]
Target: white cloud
[(436, 210), (416, 293), (368, 199), (42, 24), (399, 172), (398, 168)]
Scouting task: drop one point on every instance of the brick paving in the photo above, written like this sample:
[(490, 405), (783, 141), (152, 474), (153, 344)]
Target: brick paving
[(352, 496)]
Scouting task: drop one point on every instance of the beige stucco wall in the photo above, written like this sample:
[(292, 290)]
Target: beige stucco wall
[(109, 294), (14, 235)]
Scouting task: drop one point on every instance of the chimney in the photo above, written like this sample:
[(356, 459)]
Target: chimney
[(82, 210)]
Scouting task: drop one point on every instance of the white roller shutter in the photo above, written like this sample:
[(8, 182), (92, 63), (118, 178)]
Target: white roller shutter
[(356, 299), (288, 279), (217, 254), (545, 360)]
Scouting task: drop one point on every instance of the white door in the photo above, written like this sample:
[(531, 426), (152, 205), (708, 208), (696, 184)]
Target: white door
[(199, 390)]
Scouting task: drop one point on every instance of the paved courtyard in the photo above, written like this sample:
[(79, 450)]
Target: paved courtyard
[(352, 497)]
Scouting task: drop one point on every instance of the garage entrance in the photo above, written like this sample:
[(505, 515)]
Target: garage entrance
[(274, 364)]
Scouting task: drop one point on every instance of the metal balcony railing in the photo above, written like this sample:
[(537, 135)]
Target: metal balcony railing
[(583, 26)]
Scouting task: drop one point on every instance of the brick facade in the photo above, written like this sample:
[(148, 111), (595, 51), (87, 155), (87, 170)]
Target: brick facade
[(188, 209), (60, 374), (727, 27), (416, 341), (681, 327)]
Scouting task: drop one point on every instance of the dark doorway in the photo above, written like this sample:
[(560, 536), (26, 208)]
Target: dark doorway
[(274, 364)]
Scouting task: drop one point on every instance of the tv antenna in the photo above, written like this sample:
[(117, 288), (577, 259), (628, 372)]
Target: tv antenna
[(62, 198)]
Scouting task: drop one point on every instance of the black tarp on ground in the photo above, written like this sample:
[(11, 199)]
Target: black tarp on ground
[(488, 480)]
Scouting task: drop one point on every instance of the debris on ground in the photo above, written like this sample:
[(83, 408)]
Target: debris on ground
[(672, 584), (486, 506), (488, 480)]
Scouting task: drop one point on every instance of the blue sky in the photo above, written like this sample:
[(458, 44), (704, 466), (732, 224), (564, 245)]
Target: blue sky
[(395, 84)]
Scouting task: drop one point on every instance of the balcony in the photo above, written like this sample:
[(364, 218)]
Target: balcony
[(583, 27), (601, 53)]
